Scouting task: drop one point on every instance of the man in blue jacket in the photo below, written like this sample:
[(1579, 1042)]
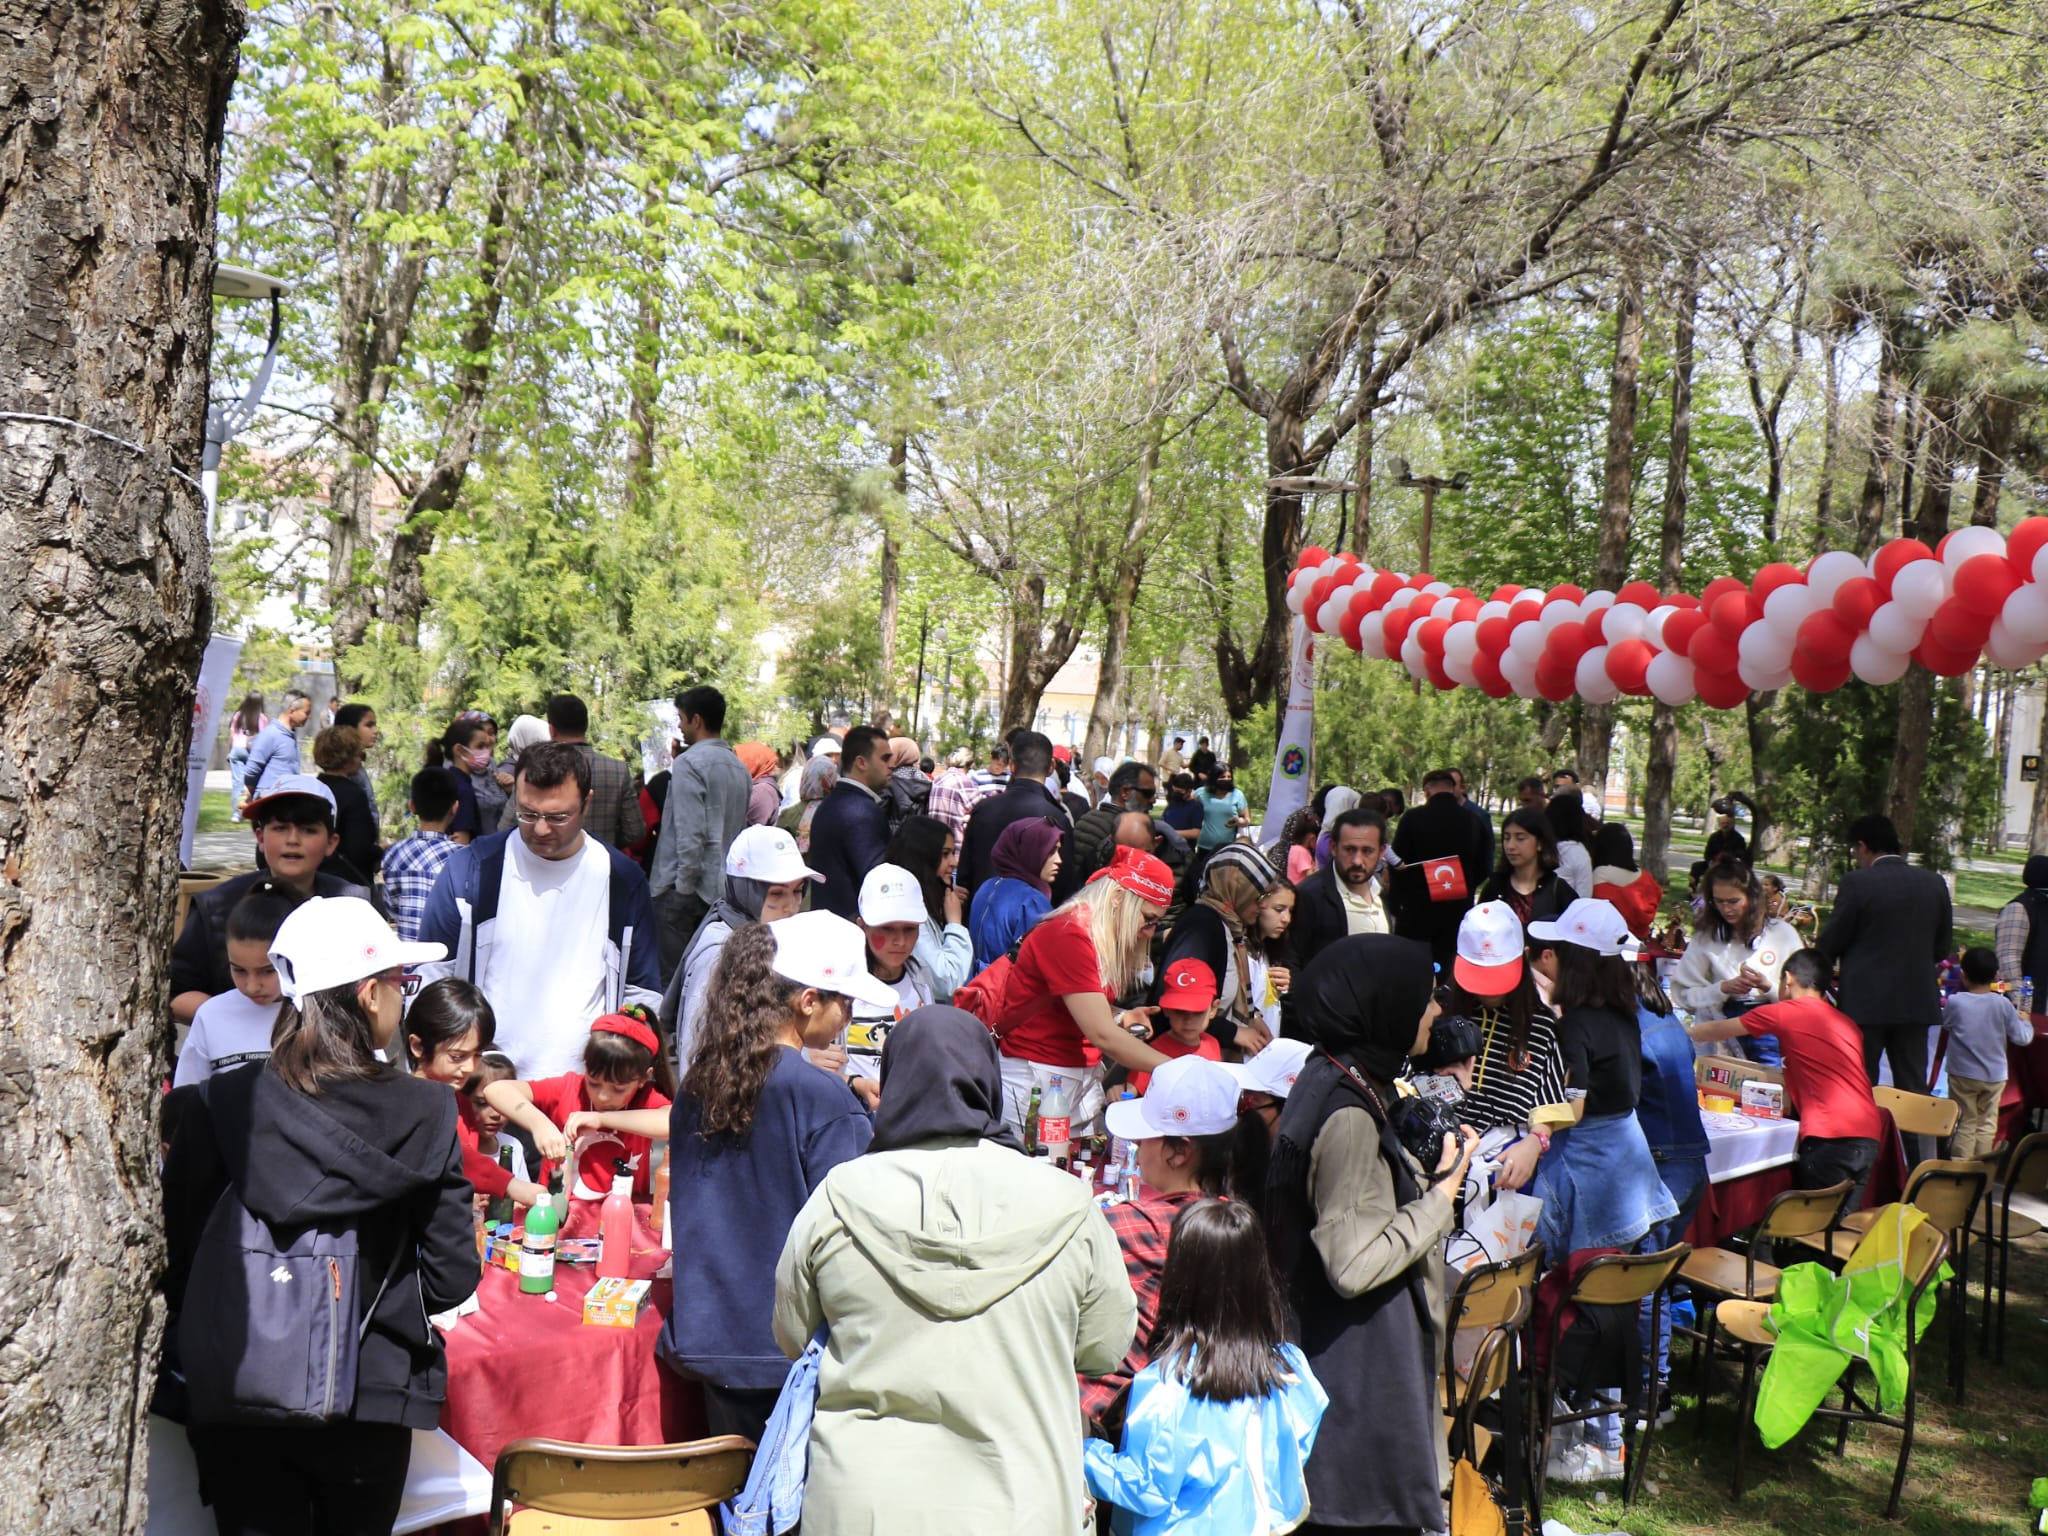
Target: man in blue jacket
[(555, 926), (851, 829)]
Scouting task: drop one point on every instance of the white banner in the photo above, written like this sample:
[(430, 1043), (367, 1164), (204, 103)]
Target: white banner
[(1294, 749), (216, 677)]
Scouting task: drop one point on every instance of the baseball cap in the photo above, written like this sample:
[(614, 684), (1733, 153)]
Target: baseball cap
[(1489, 950), (1590, 924), (1592, 805), (1189, 986), (295, 784), (890, 894), (1189, 1096), (1275, 1068), (1103, 765), (824, 950), (330, 941), (1140, 873), (767, 854), (827, 745)]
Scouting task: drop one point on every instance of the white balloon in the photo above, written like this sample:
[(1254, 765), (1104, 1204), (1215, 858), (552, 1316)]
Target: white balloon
[(1401, 599), (1492, 610), (2026, 613), (1920, 588), (1597, 599), (1765, 647), (1436, 589), (1893, 630), (1446, 608), (1968, 543), (1671, 678), (1330, 566), (1372, 639), (1763, 679), (1460, 671), (1653, 626), (1624, 621), (1412, 657), (1461, 640), (1562, 612), (1525, 641), (2041, 564), (1335, 606), (1791, 603), (1519, 671), (1592, 681), (1297, 597), (1830, 571), (2006, 650), (1875, 664)]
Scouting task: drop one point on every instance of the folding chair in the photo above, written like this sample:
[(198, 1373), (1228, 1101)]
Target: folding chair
[(1918, 1114), (565, 1489), (1612, 1280), (2026, 1173), (1748, 1321), (1722, 1273), (1493, 1372)]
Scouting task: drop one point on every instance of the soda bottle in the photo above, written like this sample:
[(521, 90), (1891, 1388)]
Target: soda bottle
[(615, 1225), (1031, 1125), (1118, 1147), (537, 1252), (1056, 1120)]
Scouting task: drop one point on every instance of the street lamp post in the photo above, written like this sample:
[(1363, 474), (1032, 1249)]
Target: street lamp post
[(224, 421)]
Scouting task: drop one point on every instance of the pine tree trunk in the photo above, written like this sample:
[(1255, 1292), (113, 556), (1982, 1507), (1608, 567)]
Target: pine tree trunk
[(1596, 721), (1663, 763), (110, 140)]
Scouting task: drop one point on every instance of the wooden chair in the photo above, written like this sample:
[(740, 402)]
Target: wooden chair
[(1497, 1298), (1493, 1372), (1613, 1280), (565, 1489), (2000, 1226), (1717, 1274), (1748, 1321), (1918, 1114)]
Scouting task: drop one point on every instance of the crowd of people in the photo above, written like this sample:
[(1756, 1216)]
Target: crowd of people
[(836, 997)]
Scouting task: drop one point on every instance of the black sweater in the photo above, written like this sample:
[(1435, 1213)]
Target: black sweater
[(380, 1151)]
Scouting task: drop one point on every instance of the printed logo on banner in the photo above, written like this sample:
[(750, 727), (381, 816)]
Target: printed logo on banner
[(1305, 665), (1293, 762)]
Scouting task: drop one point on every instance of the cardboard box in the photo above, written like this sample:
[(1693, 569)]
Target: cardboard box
[(1762, 1100), (615, 1303)]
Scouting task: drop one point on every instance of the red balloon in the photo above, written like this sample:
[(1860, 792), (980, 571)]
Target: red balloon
[(1718, 588), (2025, 542), (1384, 586), (1985, 582), (1349, 627), (1683, 600), (1318, 593), (1894, 557), (1857, 599), (1712, 651), (1467, 609), (1941, 549), (1461, 593), (1596, 626), (1825, 640), (1348, 558), (1942, 661), (1680, 628), (1420, 580), (1720, 690), (1439, 679), (1554, 681), (1395, 627), (1628, 664), (1641, 593), (1773, 576), (1432, 635), (1525, 609), (1567, 643), (1494, 635), (1956, 626), (1815, 675), (1507, 592), (1733, 612), (1315, 554), (1488, 675)]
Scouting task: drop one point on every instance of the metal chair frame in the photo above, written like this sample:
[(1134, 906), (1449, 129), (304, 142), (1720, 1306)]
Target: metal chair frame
[(2026, 1173)]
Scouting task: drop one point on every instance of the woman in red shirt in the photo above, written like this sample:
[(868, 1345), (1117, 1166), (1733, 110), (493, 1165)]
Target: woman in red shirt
[(1059, 1015)]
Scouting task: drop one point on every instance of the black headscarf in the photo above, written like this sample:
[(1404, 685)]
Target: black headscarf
[(2036, 872), (940, 1082), (1613, 846), (1362, 998)]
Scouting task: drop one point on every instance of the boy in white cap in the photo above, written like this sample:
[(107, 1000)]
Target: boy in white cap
[(892, 915)]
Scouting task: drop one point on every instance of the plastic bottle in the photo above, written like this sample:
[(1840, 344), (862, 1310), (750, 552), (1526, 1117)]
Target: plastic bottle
[(1133, 1181), (2026, 996), (537, 1252), (498, 1215), (558, 1197), (1119, 1148), (1031, 1124), (615, 1225), (1056, 1121)]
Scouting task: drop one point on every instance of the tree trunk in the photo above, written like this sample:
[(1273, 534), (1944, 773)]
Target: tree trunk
[(2006, 686), (1109, 677), (1596, 721), (1361, 474), (2001, 417), (1916, 688), (1155, 715), (1035, 659), (644, 384), (1663, 763), (1877, 473), (2037, 820), (899, 480), (1825, 535), (109, 163)]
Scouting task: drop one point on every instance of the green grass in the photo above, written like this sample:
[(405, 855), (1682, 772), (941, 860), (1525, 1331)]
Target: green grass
[(1986, 891), (1970, 1473), (217, 811)]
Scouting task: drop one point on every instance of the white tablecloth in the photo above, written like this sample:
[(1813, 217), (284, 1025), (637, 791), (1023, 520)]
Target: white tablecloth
[(1738, 1145)]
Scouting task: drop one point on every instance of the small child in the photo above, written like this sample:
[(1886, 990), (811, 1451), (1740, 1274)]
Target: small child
[(235, 1027), (1221, 1422), (494, 1067), (1187, 1002), (412, 864), (614, 1095), (1980, 1024)]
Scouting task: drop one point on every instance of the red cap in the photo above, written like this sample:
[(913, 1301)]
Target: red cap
[(1189, 986), (630, 1027), (1140, 873), (1063, 754)]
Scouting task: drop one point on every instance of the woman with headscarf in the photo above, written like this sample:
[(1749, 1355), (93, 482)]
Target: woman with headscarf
[(764, 799), (1633, 892), (1026, 857), (821, 772), (944, 1219), (527, 731), (909, 790), (1339, 799), (1214, 930), (1357, 1228), (764, 880)]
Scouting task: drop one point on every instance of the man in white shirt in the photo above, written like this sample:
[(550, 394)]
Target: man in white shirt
[(1342, 898)]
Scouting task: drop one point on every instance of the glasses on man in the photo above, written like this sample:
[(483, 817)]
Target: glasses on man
[(527, 818)]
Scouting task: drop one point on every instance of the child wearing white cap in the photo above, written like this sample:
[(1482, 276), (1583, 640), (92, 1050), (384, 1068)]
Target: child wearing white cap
[(892, 915)]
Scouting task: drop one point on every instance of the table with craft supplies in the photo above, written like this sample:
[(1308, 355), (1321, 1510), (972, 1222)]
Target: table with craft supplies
[(1750, 1165)]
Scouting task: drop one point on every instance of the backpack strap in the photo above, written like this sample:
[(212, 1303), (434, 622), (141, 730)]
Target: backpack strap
[(390, 1272)]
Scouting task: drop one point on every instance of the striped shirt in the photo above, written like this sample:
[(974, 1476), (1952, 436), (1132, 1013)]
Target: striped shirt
[(1502, 1096)]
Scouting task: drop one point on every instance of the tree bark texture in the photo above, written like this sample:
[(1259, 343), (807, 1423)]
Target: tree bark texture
[(892, 579), (1663, 762), (1916, 688), (110, 134), (1118, 594), (1825, 535), (2037, 820), (1877, 471), (1596, 721)]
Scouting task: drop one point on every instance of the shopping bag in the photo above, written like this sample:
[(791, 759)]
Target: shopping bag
[(1445, 879), (1505, 1229)]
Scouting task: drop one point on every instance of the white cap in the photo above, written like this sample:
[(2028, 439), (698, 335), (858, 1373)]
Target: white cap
[(824, 950), (1489, 950), (331, 941), (890, 894), (1592, 805), (767, 854), (295, 784), (1189, 1096), (1104, 765), (827, 745), (1275, 1068), (1590, 924)]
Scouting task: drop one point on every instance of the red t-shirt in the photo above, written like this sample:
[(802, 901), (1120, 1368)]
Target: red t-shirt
[(560, 1097), (1209, 1049), (483, 1173), (1823, 1067), (1057, 959)]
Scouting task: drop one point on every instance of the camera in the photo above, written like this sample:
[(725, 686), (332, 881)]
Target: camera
[(1420, 1124), (1452, 1038)]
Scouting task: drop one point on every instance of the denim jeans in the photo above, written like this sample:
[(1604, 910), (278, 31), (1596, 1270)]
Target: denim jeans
[(1685, 1179)]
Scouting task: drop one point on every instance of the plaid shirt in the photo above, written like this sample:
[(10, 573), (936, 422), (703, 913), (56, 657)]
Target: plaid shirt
[(1141, 1229), (954, 794), (411, 866)]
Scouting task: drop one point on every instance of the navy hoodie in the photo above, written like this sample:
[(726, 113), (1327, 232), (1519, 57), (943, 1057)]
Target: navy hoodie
[(381, 1150)]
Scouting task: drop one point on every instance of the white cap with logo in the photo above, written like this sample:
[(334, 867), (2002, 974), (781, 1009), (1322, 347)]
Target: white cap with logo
[(298, 784), (1275, 1068), (826, 746), (1590, 924), (331, 941), (1490, 946), (824, 950), (767, 854), (1189, 1096), (890, 894)]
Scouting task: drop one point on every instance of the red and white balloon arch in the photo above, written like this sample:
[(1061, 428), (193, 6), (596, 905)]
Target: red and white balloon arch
[(1978, 596)]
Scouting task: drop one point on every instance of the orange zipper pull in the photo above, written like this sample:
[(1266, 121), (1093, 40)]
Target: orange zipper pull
[(334, 1274)]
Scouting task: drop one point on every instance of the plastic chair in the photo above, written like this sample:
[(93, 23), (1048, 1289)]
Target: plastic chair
[(1749, 1322), (1723, 1273), (2026, 1173), (1612, 1280), (566, 1489), (1498, 1298), (1493, 1372)]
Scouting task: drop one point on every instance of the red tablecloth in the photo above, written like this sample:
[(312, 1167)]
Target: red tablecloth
[(2026, 1083), (1728, 1208), (522, 1366)]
